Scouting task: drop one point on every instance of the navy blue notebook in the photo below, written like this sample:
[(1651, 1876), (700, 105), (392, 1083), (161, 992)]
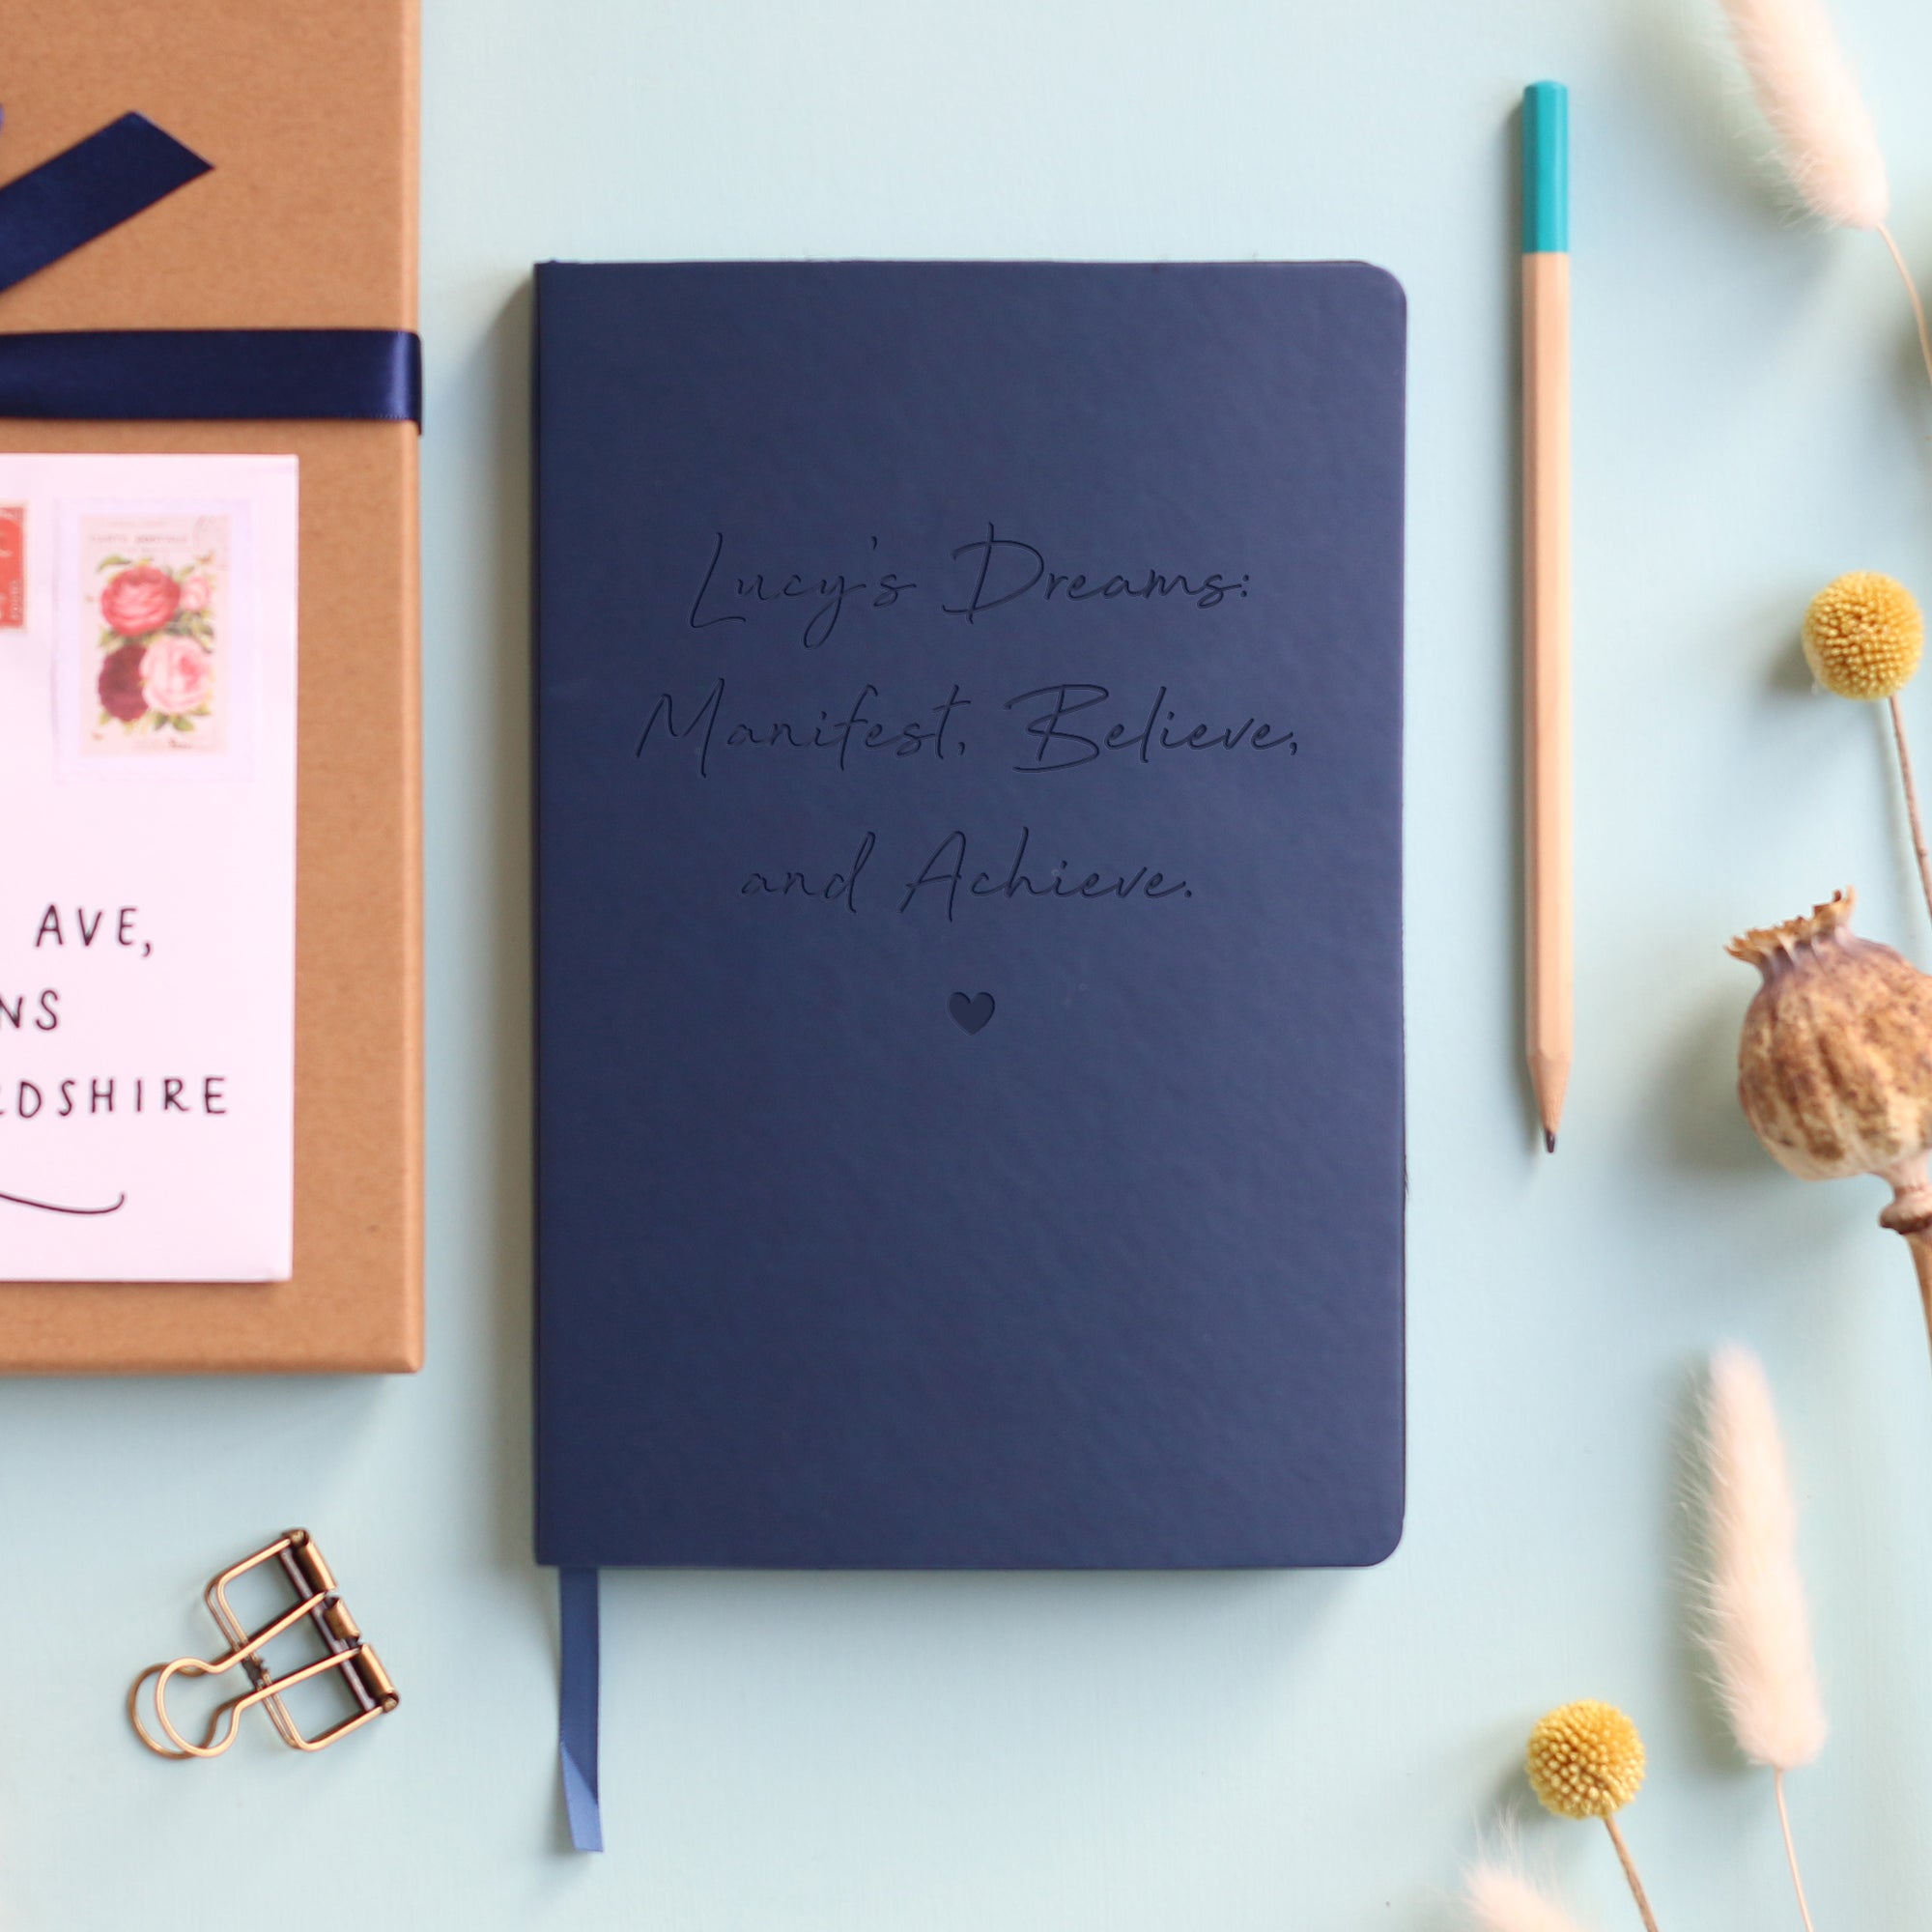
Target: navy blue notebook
[(970, 890)]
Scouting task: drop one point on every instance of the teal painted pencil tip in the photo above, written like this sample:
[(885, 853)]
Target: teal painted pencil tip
[(1545, 168)]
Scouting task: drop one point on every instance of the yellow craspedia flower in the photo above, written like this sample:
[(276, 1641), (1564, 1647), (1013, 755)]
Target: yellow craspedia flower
[(1862, 634), (1585, 1760)]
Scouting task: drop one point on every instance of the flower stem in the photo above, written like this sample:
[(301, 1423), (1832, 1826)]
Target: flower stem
[(1897, 714), (1629, 1872), (1908, 1213), (1912, 801), (1791, 1848), (1921, 1245), (1911, 294)]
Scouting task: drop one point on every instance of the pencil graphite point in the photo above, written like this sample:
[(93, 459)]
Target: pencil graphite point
[(1548, 1141)]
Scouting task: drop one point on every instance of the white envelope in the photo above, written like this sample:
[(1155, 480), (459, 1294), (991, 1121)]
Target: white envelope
[(147, 868)]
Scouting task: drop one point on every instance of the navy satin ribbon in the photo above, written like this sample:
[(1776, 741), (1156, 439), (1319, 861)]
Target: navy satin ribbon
[(143, 375), (90, 187), (576, 1706), (157, 374)]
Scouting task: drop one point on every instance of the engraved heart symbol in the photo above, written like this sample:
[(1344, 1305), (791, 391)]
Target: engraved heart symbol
[(970, 1012)]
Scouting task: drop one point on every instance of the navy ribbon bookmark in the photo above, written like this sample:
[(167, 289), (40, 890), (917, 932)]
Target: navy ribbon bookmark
[(576, 1706), (147, 374)]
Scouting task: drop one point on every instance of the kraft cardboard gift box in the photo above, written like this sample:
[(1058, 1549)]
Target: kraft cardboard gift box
[(306, 219)]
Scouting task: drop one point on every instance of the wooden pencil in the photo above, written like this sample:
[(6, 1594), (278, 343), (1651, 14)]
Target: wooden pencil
[(1548, 895)]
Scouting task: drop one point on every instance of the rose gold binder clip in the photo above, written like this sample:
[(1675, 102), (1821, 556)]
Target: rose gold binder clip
[(319, 1602)]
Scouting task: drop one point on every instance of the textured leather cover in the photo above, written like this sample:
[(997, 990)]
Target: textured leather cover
[(908, 1199)]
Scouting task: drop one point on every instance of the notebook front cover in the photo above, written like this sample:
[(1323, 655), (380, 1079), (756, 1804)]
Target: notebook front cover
[(971, 1109)]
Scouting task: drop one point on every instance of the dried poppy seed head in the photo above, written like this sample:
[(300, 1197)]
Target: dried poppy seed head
[(1863, 634), (1585, 1760), (1835, 1063)]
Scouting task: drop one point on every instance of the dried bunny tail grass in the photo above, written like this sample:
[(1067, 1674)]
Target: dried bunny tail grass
[(1823, 128), (1756, 1624), (1806, 93), (1501, 1899), (1825, 136)]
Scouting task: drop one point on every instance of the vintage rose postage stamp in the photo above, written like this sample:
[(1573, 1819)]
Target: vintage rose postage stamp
[(155, 666), (13, 566)]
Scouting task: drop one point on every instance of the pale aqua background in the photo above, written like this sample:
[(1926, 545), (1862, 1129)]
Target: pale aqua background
[(1116, 1754)]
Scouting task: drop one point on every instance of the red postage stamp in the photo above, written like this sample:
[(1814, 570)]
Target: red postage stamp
[(13, 566)]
